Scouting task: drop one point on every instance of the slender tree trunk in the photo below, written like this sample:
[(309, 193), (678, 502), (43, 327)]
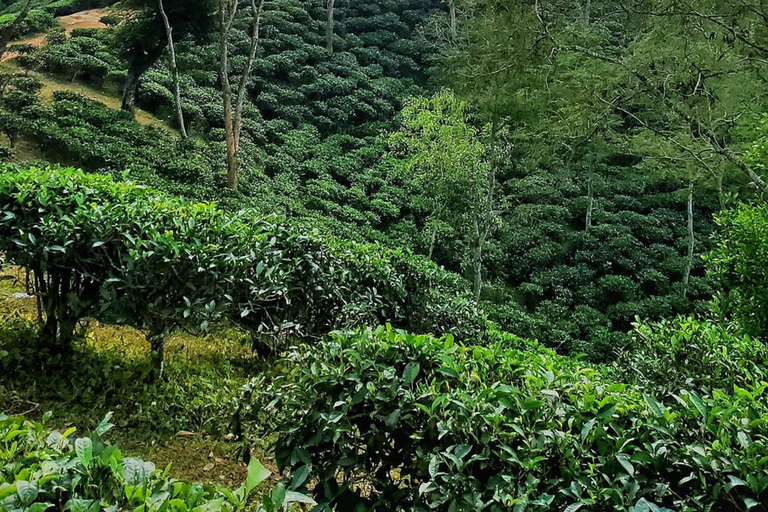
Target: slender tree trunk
[(157, 338), (720, 193), (329, 27), (691, 241), (432, 241), (10, 31), (233, 113), (174, 71), (452, 14), (590, 200), (477, 261)]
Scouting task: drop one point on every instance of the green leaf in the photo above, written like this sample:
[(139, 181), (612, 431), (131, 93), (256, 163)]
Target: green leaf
[(653, 405), (84, 450), (698, 403), (299, 476), (410, 373), (26, 491), (393, 418), (256, 474), (297, 497), (278, 495), (628, 467)]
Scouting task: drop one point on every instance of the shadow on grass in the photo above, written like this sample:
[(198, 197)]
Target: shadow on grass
[(108, 370)]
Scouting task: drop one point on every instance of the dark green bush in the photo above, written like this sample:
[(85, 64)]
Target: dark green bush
[(694, 354), (38, 20), (125, 254), (383, 420), (42, 468)]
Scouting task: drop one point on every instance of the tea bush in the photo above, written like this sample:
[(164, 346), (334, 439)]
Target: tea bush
[(124, 254), (384, 420), (690, 353), (38, 20), (42, 468), (129, 255), (738, 265)]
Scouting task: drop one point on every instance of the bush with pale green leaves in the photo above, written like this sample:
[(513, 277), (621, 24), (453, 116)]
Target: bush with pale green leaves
[(46, 469)]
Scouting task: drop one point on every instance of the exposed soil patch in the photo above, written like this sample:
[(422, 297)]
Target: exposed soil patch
[(83, 19)]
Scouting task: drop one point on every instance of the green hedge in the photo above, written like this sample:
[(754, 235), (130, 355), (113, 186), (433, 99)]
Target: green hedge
[(43, 469), (738, 263), (687, 352), (126, 254), (383, 420)]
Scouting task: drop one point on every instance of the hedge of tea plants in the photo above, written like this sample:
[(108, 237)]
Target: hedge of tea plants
[(46, 469), (384, 420), (125, 254), (738, 265)]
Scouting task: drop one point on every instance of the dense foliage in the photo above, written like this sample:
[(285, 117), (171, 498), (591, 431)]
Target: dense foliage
[(691, 353), (563, 166), (41, 468), (738, 264), (128, 255), (383, 420)]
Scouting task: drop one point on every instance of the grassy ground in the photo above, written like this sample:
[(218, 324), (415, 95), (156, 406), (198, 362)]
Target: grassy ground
[(52, 84), (85, 19), (183, 421)]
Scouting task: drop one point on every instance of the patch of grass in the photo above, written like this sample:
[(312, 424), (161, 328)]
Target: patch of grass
[(185, 419), (52, 84)]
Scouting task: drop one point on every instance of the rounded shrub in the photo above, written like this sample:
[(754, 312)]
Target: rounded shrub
[(691, 353), (384, 420)]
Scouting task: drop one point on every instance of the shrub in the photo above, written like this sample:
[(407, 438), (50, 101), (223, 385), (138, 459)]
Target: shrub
[(337, 284), (383, 420), (125, 254), (738, 264), (42, 468), (694, 354), (38, 20)]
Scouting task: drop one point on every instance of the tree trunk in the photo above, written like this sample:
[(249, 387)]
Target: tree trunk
[(691, 241), (590, 201), (477, 262), (452, 13), (157, 338), (329, 27), (233, 114), (131, 86), (720, 193), (136, 70), (8, 32), (174, 71), (587, 12), (432, 241)]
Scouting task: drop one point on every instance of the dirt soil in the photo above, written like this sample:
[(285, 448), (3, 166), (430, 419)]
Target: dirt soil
[(83, 19)]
